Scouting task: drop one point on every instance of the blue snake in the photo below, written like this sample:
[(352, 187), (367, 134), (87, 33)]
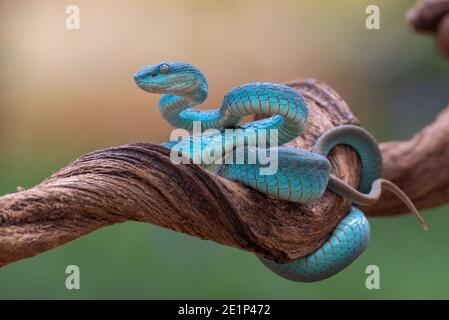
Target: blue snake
[(300, 176)]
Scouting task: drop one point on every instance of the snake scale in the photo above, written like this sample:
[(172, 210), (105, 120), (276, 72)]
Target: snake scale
[(300, 176)]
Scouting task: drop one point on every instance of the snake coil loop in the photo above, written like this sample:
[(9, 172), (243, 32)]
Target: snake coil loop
[(300, 176)]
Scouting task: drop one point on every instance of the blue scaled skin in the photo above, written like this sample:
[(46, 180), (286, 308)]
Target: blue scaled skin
[(300, 177)]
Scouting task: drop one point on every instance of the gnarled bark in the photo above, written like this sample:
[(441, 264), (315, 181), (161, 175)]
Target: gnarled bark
[(138, 182)]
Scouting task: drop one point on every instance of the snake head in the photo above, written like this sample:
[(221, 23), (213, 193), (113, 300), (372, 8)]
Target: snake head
[(177, 78)]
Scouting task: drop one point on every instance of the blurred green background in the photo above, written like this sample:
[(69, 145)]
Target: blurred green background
[(64, 93)]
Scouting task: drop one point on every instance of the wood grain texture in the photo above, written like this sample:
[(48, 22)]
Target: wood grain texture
[(138, 182)]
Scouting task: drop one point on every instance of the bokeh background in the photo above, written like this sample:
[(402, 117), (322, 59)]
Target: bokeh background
[(64, 93)]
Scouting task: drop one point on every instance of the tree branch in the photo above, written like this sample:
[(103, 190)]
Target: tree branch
[(138, 182), (419, 166), (432, 16)]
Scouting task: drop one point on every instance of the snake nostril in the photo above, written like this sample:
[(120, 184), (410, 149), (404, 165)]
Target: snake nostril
[(136, 77)]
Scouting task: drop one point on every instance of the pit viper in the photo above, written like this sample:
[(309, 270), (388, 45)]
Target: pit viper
[(300, 176)]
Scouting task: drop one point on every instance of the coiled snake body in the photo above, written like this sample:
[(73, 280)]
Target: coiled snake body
[(301, 176)]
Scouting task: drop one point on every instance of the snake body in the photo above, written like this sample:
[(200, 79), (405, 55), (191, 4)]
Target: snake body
[(301, 176)]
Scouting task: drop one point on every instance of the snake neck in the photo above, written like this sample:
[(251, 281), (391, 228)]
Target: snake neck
[(175, 109)]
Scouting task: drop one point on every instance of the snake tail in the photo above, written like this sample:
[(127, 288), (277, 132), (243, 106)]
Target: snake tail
[(362, 199), (351, 236), (370, 185)]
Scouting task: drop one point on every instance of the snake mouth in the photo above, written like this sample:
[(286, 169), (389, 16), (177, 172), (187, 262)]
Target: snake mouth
[(148, 86), (174, 85), (138, 80)]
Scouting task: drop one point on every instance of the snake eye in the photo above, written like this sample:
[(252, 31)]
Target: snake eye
[(164, 68)]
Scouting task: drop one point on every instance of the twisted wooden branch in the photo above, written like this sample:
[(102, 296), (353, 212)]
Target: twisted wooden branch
[(138, 182)]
